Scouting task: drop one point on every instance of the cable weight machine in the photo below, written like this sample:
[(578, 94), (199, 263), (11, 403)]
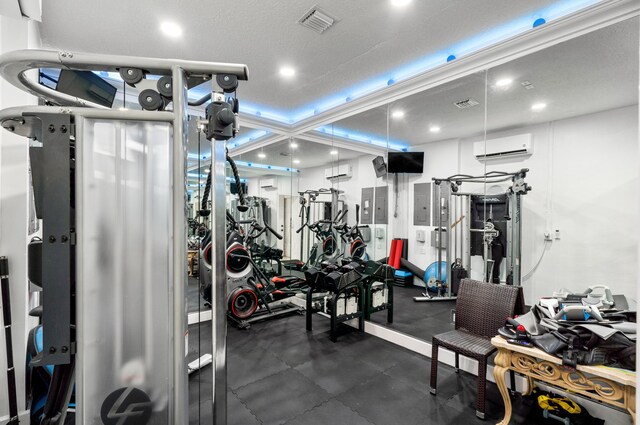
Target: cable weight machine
[(477, 224)]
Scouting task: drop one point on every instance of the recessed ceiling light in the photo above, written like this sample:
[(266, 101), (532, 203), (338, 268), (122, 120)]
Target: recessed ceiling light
[(434, 129), (504, 82), (287, 71), (397, 114), (536, 107), (262, 155), (296, 161), (334, 152), (171, 29), (293, 145), (400, 3)]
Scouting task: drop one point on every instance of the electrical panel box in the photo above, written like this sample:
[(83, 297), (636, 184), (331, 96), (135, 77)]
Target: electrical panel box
[(382, 202), (366, 204), (420, 236), (422, 204)]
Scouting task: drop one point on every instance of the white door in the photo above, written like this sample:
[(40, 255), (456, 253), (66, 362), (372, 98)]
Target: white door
[(286, 230)]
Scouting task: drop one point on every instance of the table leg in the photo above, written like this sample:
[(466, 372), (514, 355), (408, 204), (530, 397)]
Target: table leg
[(502, 364), (530, 385), (631, 402)]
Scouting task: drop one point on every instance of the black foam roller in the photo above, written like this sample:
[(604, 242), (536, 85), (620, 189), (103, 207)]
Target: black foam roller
[(417, 271)]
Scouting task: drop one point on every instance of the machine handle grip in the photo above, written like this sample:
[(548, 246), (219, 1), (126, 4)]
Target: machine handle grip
[(273, 232)]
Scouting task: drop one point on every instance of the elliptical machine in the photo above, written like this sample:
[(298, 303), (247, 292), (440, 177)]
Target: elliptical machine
[(251, 295), (352, 236)]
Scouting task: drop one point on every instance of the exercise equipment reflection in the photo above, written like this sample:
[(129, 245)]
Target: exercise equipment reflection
[(463, 215)]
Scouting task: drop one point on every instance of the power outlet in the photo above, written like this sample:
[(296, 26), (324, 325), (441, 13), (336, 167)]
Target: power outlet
[(547, 236)]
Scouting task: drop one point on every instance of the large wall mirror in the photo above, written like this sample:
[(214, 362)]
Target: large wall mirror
[(525, 166)]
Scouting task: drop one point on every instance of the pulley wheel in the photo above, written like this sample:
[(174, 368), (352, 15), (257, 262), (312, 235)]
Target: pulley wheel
[(150, 100), (165, 86), (228, 83), (237, 259), (243, 302), (131, 76)]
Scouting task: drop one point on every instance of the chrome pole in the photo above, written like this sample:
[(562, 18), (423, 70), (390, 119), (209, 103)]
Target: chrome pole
[(179, 228), (219, 282)]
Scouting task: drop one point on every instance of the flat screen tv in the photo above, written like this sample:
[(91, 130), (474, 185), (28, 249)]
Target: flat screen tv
[(405, 162), (86, 85)]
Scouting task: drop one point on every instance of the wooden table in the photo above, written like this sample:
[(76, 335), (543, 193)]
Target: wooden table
[(192, 260), (616, 387)]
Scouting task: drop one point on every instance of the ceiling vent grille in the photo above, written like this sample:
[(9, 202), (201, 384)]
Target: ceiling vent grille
[(467, 103), (317, 20)]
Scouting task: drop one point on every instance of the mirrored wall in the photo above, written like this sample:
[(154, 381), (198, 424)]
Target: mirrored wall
[(525, 167), (523, 174)]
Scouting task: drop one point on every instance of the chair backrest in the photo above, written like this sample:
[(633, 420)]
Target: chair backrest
[(482, 308)]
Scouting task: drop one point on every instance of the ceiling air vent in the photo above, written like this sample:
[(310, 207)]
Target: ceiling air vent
[(317, 20), (467, 103)]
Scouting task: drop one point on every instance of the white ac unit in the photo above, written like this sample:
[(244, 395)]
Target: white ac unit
[(268, 184), (339, 172), (504, 147)]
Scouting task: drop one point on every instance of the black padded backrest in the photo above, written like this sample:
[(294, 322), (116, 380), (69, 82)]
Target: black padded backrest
[(482, 308)]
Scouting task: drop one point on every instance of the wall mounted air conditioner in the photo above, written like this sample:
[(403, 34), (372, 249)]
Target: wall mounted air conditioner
[(268, 184), (343, 171), (504, 147)]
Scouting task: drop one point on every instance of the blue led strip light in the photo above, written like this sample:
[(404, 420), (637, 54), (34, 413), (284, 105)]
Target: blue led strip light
[(266, 166), (474, 44), (356, 136), (251, 136)]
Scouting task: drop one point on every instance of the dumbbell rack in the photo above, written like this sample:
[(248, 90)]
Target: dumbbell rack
[(336, 319), (383, 274)]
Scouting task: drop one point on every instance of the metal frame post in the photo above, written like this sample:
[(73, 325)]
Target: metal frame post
[(179, 227), (218, 273)]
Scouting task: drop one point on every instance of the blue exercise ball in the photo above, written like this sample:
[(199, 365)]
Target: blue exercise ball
[(431, 274)]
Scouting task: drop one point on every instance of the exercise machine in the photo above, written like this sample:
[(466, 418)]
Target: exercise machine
[(353, 238), (478, 224), (113, 279)]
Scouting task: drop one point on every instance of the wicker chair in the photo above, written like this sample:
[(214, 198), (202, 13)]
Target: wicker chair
[(481, 308)]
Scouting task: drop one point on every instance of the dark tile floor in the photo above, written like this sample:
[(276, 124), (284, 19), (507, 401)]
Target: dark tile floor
[(194, 300), (280, 374), (422, 320)]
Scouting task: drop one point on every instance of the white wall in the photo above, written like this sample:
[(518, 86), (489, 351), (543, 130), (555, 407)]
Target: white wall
[(15, 33), (584, 174), (285, 186)]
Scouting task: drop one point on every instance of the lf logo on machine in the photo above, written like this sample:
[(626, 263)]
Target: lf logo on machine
[(126, 406)]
